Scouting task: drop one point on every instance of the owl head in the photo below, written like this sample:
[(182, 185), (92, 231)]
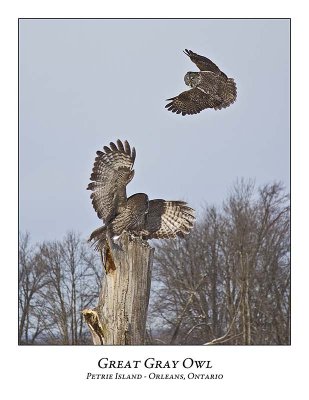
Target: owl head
[(192, 79)]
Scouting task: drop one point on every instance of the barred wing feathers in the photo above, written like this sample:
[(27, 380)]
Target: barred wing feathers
[(228, 93), (213, 92), (112, 171), (168, 219), (204, 63), (190, 102)]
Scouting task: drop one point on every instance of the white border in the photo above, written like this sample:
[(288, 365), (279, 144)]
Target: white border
[(249, 372)]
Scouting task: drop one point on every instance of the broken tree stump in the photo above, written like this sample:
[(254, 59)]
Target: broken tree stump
[(120, 316)]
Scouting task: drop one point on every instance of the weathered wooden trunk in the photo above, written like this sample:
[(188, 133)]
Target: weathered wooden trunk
[(120, 317)]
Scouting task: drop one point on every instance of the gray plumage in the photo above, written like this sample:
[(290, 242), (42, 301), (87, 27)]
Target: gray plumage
[(211, 88), (149, 219)]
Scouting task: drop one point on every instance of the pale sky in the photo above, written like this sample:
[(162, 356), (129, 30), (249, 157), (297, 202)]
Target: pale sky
[(84, 83)]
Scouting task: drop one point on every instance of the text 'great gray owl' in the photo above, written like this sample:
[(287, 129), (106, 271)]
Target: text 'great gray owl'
[(148, 219), (211, 88)]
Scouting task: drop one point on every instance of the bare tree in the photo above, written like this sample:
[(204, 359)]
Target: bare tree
[(227, 282), (32, 280), (57, 281), (71, 287)]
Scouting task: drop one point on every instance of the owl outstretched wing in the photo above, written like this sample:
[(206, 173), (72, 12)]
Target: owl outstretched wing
[(203, 63), (112, 171), (192, 101), (168, 219)]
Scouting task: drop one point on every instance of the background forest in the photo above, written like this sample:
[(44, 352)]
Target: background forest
[(228, 282)]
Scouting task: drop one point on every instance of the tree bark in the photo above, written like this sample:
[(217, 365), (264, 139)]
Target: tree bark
[(245, 309), (120, 317)]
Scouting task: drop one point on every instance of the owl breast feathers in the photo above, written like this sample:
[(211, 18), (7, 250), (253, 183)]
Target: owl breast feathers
[(211, 88), (149, 219)]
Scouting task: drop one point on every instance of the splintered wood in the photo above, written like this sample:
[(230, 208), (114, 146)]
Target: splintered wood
[(120, 317)]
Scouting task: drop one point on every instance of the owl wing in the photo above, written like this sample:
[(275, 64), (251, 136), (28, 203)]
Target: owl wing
[(191, 101), (112, 171), (203, 63), (228, 93), (133, 216), (168, 219)]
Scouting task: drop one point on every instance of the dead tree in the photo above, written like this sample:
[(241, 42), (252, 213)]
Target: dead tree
[(120, 316)]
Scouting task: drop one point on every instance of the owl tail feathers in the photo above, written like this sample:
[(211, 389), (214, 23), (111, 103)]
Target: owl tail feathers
[(229, 95), (98, 238)]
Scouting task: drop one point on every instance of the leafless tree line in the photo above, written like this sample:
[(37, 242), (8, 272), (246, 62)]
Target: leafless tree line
[(57, 280), (229, 281)]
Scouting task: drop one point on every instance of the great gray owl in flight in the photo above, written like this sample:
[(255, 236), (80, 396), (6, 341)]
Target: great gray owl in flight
[(148, 219), (211, 88)]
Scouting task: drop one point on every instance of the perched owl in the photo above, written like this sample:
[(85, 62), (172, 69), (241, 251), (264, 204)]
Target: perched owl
[(211, 88), (148, 219)]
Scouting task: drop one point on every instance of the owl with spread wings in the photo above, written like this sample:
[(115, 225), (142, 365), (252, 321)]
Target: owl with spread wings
[(210, 88), (148, 219)]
